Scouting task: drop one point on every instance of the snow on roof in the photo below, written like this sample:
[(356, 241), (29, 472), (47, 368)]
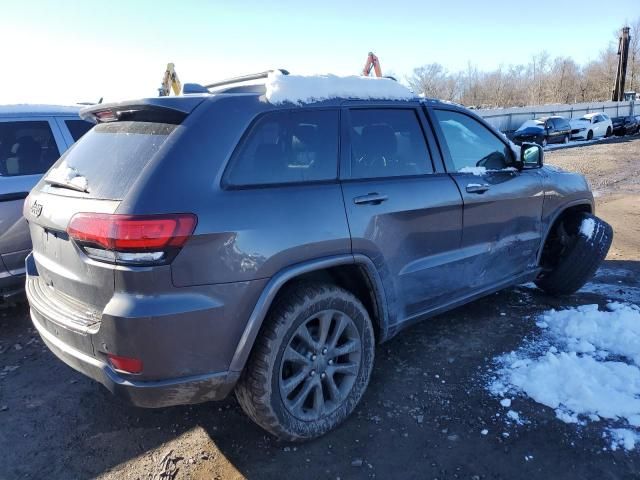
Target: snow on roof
[(306, 89), (27, 109)]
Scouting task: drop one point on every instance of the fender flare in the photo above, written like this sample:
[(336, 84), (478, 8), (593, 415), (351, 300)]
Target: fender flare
[(559, 211), (276, 282)]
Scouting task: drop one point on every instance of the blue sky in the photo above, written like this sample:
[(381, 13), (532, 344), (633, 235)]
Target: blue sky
[(67, 51)]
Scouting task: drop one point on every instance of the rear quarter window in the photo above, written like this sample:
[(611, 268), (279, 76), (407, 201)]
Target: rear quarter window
[(111, 156), (287, 147)]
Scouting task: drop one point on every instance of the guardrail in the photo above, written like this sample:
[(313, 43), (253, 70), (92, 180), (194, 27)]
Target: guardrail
[(508, 120)]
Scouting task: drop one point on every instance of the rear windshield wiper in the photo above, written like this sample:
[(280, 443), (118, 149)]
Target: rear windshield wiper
[(70, 186)]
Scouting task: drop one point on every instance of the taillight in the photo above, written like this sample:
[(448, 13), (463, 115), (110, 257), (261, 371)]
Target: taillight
[(131, 239)]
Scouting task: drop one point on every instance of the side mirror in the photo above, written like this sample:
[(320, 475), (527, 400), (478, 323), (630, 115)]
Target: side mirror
[(531, 155)]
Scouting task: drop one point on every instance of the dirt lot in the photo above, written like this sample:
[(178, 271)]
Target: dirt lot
[(422, 416)]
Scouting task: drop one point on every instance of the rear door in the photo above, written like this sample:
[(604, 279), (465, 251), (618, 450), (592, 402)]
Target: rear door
[(28, 147), (502, 206), (404, 211)]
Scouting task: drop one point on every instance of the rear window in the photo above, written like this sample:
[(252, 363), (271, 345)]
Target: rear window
[(26, 148), (111, 156)]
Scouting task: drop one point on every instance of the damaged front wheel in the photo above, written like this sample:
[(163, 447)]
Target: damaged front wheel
[(573, 253)]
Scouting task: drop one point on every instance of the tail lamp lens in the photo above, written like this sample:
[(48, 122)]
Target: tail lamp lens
[(131, 238)]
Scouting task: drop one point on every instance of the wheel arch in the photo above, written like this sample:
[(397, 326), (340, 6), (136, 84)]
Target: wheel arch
[(578, 206), (343, 270)]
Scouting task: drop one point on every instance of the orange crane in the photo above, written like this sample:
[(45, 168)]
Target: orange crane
[(372, 64)]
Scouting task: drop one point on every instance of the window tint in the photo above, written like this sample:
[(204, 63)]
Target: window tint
[(77, 128), (288, 147), (471, 144), (387, 143), (26, 148), (112, 155)]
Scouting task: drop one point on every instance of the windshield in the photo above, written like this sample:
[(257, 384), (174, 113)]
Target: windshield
[(108, 159)]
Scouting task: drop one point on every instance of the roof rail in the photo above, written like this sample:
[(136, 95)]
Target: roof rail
[(245, 78)]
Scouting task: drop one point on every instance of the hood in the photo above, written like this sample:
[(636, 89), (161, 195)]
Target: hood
[(529, 131)]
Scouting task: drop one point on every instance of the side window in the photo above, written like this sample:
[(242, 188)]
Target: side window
[(597, 119), (288, 147), (471, 144), (26, 148), (387, 143), (77, 128)]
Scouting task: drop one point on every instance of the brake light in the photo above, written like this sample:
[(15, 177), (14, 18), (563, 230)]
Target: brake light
[(125, 364), (131, 239)]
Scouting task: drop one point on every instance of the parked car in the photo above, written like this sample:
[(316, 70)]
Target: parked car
[(543, 131), (625, 125), (175, 266), (591, 125), (32, 137)]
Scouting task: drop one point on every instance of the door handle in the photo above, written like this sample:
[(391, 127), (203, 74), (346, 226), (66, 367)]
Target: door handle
[(477, 188), (370, 198)]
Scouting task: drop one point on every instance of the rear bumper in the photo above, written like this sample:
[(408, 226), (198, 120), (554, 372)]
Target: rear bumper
[(185, 338), (149, 394)]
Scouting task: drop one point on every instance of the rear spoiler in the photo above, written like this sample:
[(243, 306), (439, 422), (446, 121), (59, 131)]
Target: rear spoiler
[(163, 109)]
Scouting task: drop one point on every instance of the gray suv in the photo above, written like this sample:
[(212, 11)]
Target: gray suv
[(32, 137), (192, 246)]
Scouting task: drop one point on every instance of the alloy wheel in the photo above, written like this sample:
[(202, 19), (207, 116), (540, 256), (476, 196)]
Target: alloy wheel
[(320, 365)]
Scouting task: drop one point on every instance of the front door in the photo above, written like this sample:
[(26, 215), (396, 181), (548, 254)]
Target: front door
[(404, 211), (502, 206)]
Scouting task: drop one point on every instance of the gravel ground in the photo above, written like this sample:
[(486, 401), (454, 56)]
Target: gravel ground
[(423, 416)]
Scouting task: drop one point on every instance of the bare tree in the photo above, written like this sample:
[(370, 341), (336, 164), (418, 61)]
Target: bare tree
[(542, 80)]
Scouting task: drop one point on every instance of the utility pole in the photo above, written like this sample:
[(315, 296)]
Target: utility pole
[(623, 56)]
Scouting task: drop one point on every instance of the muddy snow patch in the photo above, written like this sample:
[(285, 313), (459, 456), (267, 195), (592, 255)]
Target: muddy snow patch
[(585, 364)]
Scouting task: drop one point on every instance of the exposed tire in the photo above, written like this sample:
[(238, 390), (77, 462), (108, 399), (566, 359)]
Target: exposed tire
[(590, 135), (284, 354), (571, 262), (608, 134)]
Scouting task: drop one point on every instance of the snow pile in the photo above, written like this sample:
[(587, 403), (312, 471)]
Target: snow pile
[(587, 227), (623, 437), (67, 175), (306, 89), (586, 366)]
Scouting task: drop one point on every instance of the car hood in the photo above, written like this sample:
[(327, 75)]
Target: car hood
[(529, 131)]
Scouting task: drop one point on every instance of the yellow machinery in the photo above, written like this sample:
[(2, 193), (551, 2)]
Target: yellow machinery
[(170, 81)]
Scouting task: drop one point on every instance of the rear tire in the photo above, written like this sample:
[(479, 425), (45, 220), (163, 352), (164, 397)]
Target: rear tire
[(590, 135), (576, 261), (608, 134), (298, 383)]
